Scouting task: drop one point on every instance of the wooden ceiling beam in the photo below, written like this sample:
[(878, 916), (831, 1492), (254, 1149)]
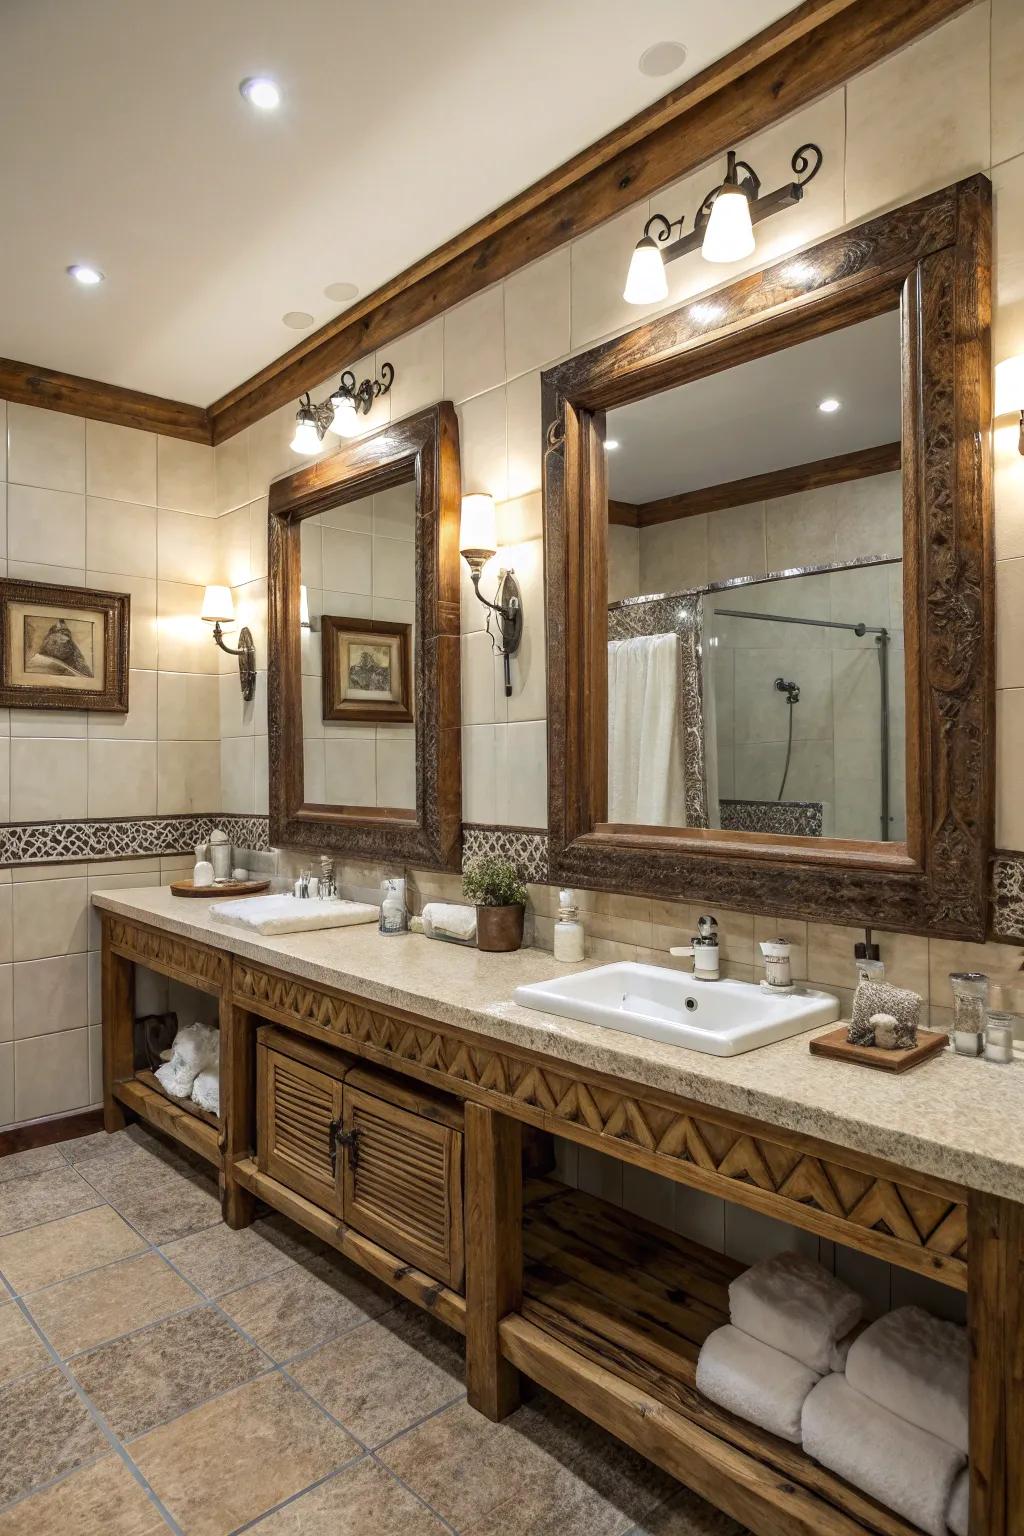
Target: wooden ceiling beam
[(54, 391)]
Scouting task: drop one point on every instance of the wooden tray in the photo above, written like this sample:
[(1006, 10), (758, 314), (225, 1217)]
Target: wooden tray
[(836, 1046), (227, 888)]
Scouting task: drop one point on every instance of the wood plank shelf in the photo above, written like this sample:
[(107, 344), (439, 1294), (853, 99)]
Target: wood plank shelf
[(614, 1312), (192, 1126)]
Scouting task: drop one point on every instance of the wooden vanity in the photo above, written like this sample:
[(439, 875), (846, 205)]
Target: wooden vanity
[(395, 1135)]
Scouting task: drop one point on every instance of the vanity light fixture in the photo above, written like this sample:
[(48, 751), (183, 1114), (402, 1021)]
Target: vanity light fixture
[(340, 412), (723, 226), (1010, 392), (478, 543), (86, 275), (218, 610)]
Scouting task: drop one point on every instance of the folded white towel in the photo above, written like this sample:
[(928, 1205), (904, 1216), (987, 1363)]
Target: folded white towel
[(286, 913), (206, 1091), (796, 1306), (958, 1513), (917, 1366), (196, 1047), (753, 1380), (450, 920), (903, 1467)]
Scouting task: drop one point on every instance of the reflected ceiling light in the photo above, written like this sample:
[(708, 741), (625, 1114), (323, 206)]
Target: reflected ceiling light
[(478, 543), (1010, 391), (661, 59), (612, 444), (829, 406), (723, 226), (87, 276), (260, 91), (340, 412)]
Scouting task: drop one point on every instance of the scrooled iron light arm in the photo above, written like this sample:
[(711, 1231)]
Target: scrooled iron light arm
[(341, 410)]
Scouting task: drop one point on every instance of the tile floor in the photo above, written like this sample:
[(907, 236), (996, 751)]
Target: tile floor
[(158, 1371)]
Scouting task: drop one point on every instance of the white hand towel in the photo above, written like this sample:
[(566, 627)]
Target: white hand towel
[(796, 1306), (958, 1513), (903, 1467), (917, 1366), (450, 920), (206, 1091), (289, 914), (195, 1047), (751, 1379)]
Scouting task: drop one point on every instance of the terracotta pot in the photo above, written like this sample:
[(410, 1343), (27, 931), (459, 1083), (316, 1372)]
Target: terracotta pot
[(499, 928)]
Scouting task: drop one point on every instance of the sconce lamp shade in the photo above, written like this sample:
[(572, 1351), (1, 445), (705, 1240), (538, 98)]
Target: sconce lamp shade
[(729, 235), (307, 438), (479, 531), (345, 421), (218, 606), (1009, 386), (646, 282)]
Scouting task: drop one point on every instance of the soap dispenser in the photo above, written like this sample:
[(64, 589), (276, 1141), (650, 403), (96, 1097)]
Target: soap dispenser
[(704, 949), (568, 929)]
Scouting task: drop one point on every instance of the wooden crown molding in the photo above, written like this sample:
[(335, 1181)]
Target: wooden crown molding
[(775, 482), (802, 56)]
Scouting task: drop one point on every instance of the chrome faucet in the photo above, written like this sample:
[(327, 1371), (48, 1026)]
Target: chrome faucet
[(704, 949)]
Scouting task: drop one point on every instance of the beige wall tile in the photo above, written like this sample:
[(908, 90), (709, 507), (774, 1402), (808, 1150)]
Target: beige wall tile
[(122, 778), (3, 440), (6, 924), (417, 359), (483, 696), (185, 641), (348, 561), (120, 463), (353, 516), (186, 478), (479, 764), (48, 779), (1000, 962), (474, 345), (932, 101), (674, 555), (537, 313), (231, 472), (188, 704), (6, 1003), (139, 723), (736, 542), (188, 548), (522, 773), (49, 918), (142, 591), (1010, 626), (120, 536), (529, 664), (5, 779), (483, 436), (1007, 73), (237, 774), (599, 263), (40, 522), (234, 530), (50, 995), (51, 1072), (45, 448), (396, 771), (350, 771), (188, 776), (259, 537), (394, 513), (38, 722), (394, 569), (6, 1084), (524, 435), (270, 453), (1009, 756), (623, 562)]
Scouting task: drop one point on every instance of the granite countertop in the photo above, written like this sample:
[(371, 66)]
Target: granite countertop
[(954, 1118)]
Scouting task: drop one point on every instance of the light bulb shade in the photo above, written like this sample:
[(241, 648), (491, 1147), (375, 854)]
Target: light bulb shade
[(729, 235), (345, 421), (646, 282), (218, 605), (478, 534), (1009, 386), (304, 608), (307, 438)]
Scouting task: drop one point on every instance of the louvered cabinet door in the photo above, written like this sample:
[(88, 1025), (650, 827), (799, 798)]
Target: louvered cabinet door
[(402, 1183), (299, 1116)]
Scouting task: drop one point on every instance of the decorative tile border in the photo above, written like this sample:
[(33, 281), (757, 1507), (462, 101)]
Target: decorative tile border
[(1007, 920), (60, 842), (790, 818), (527, 850)]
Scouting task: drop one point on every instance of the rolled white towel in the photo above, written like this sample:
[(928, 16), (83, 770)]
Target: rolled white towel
[(917, 1366), (206, 1091), (289, 914), (958, 1513), (196, 1047), (795, 1306), (908, 1470), (751, 1379), (450, 920)]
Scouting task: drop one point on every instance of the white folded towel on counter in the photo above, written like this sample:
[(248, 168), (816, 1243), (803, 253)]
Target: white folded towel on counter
[(917, 1366), (286, 913), (795, 1306), (751, 1379), (908, 1470), (450, 920), (958, 1513)]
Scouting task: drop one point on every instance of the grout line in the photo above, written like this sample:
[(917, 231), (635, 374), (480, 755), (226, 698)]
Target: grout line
[(417, 1496), (294, 1497)]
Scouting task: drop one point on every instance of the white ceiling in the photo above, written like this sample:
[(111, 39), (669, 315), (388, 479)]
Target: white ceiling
[(126, 145), (761, 415)]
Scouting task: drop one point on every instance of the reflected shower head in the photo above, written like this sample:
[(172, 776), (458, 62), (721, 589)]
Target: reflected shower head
[(791, 690)]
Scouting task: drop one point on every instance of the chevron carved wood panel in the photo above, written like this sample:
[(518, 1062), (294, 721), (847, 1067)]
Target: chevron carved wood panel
[(207, 968), (922, 1228)]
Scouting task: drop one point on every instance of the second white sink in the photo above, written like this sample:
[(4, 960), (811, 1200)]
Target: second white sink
[(721, 1018)]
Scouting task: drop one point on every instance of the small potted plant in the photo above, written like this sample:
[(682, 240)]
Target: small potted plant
[(500, 896)]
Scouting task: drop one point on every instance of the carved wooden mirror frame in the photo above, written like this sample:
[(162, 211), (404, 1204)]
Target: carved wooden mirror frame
[(932, 260), (424, 446)]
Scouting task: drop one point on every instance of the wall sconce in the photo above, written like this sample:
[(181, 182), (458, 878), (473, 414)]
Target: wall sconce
[(340, 412), (723, 225), (478, 543), (219, 609), (1010, 392)]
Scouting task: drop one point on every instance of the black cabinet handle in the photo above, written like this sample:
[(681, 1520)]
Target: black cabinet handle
[(350, 1141)]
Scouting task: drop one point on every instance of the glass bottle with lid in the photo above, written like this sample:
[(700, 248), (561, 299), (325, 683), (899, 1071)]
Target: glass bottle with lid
[(970, 999)]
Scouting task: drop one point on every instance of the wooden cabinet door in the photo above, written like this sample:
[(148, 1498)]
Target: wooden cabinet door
[(402, 1182), (299, 1115)]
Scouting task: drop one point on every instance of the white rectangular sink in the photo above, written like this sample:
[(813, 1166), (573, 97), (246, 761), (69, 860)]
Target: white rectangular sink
[(720, 1018)]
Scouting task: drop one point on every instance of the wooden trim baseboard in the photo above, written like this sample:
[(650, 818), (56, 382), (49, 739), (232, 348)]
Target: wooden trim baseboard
[(25, 384), (46, 1133)]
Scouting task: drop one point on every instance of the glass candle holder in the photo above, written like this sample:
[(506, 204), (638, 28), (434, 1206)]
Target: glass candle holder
[(970, 999)]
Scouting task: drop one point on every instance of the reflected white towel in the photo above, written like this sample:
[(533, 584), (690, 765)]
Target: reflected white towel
[(903, 1467), (751, 1379), (958, 1514), (286, 913), (450, 920), (917, 1366), (796, 1306)]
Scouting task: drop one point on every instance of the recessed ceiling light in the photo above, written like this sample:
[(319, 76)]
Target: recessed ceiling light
[(662, 58), (829, 405), (261, 92), (87, 276), (298, 319), (612, 444), (341, 292)]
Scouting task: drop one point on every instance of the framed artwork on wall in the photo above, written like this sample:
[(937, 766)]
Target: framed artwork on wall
[(63, 647), (367, 670)]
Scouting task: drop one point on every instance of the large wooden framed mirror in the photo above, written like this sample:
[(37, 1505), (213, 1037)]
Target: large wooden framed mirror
[(364, 676), (770, 590)]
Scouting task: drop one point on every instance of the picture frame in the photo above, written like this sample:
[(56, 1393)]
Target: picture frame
[(366, 670), (63, 647)]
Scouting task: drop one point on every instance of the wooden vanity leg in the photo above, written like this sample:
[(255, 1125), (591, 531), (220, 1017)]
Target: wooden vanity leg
[(995, 1258), (494, 1255), (117, 991), (237, 1106)]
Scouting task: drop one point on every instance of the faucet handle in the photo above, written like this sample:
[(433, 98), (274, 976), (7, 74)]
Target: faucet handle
[(682, 951), (707, 927)]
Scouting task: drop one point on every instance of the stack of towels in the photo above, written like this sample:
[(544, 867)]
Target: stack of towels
[(884, 1407), (192, 1070)]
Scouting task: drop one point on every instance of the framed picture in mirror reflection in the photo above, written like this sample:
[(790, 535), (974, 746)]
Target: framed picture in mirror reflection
[(367, 670)]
